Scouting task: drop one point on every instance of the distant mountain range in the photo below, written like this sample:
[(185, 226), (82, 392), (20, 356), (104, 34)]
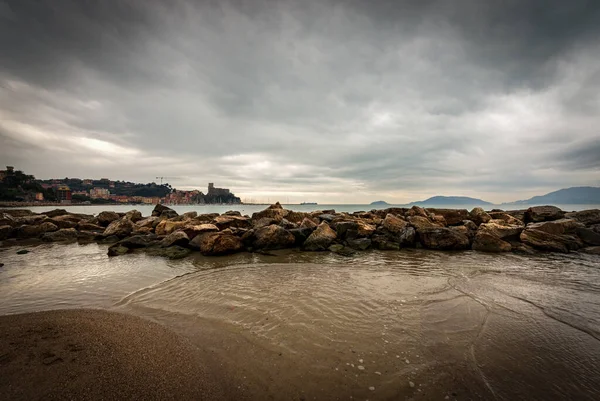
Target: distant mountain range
[(574, 196), (566, 196), (379, 203), (450, 200)]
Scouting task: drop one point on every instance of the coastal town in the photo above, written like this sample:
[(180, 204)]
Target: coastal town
[(18, 187)]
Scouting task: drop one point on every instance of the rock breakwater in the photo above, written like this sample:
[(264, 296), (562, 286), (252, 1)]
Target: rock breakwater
[(166, 233)]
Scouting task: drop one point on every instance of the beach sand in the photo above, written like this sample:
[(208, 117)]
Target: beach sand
[(93, 354)]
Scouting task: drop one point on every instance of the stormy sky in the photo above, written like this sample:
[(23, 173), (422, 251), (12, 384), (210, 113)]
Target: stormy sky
[(328, 101)]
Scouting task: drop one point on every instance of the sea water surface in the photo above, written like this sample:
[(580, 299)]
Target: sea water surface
[(410, 324)]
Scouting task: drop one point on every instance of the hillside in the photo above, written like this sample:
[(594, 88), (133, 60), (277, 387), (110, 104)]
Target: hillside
[(379, 203), (574, 195), (450, 200)]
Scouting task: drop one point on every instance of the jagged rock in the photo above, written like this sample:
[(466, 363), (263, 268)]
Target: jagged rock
[(23, 252), (416, 211), (592, 250), (134, 215), (55, 213), (558, 227), (300, 235), (151, 222), (264, 222), (296, 217), (519, 247), (550, 242), (361, 244), (486, 242), (105, 218), (479, 216), (320, 239), (193, 230), (537, 214), (142, 230), (438, 219), (587, 217), (275, 212), (32, 220), (159, 209), (85, 226), (121, 228), (191, 215), (588, 236), (421, 223), (288, 225), (507, 218), (217, 243), (107, 240), (464, 230), (327, 217), (117, 250), (176, 238), (443, 239), (6, 232), (35, 230), (223, 222), (394, 224), (354, 229), (500, 229), (233, 213), (273, 237), (166, 227), (63, 234), (308, 223), (453, 217)]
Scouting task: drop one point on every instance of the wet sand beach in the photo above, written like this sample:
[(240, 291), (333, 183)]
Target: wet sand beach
[(93, 354)]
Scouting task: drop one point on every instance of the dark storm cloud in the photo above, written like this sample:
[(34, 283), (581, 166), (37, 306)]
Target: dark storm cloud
[(337, 98)]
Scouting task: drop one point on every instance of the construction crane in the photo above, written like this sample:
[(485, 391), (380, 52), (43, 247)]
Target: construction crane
[(164, 178)]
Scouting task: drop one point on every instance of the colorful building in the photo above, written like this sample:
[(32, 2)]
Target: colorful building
[(99, 193), (63, 194)]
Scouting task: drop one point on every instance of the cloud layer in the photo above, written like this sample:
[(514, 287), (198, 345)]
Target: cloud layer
[(329, 101)]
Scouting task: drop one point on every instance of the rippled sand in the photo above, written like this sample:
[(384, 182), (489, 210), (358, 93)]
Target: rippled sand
[(384, 325)]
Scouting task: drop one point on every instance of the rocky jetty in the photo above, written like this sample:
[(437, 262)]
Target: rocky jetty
[(166, 233)]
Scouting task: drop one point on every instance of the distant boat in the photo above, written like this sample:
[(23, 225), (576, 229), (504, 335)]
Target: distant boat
[(309, 203)]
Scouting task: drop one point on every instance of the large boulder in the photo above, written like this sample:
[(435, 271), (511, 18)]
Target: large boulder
[(176, 238), (308, 223), (500, 229), (453, 217), (134, 215), (443, 239), (276, 212), (7, 220), (486, 242), (393, 224), (587, 217), (17, 212), (219, 243), (151, 222), (117, 250), (547, 241), (62, 223), (121, 228), (354, 229), (166, 227), (558, 227), (537, 214), (384, 243), (107, 217), (417, 211), (227, 221), (64, 234), (193, 230), (479, 216), (320, 239), (273, 237), (421, 223), (592, 250), (507, 218), (300, 235), (159, 209), (33, 231)]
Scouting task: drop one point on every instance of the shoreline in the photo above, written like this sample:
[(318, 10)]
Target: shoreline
[(173, 235), (98, 354)]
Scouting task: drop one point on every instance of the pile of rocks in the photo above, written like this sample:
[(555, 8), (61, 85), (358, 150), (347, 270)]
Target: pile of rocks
[(166, 233)]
